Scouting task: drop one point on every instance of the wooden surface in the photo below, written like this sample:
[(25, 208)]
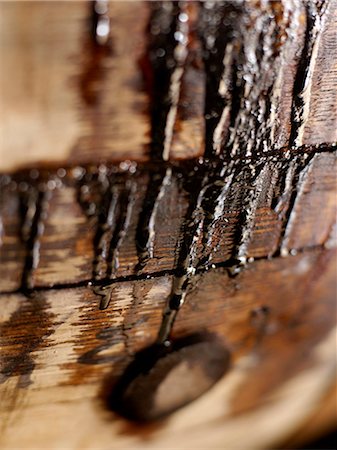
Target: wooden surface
[(56, 369), (64, 100), (118, 158), (66, 251)]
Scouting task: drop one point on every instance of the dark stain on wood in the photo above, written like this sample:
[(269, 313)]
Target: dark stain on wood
[(162, 379), (97, 335), (145, 233), (97, 50), (111, 338), (33, 209), (235, 180), (225, 202), (24, 333)]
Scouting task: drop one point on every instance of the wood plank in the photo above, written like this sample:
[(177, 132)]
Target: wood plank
[(59, 89), (37, 97), (101, 103), (320, 87), (60, 350), (96, 211), (283, 201)]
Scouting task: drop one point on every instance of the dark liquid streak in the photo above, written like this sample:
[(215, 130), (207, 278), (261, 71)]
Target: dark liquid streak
[(126, 201), (207, 193), (33, 209), (145, 233), (105, 226), (187, 253), (97, 196), (109, 204), (215, 206), (303, 163), (216, 35), (254, 182), (300, 78), (31, 323), (285, 180), (160, 65)]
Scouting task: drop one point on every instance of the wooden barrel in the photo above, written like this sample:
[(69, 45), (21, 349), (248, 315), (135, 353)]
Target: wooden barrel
[(168, 182)]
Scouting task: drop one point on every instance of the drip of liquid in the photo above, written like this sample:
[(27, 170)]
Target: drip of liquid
[(126, 204), (255, 182), (145, 233), (207, 200), (109, 204), (217, 37), (105, 228), (186, 264), (33, 208), (219, 191), (167, 52)]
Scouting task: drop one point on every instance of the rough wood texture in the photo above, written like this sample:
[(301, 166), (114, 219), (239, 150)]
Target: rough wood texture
[(283, 199), (268, 73), (55, 370), (98, 210)]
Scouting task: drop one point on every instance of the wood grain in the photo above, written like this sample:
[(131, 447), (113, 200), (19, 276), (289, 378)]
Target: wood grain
[(202, 132), (65, 347), (95, 103), (320, 121), (285, 220), (63, 90)]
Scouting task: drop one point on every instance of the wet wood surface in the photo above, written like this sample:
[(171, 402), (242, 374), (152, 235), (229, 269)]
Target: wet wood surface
[(195, 161), (60, 352), (284, 203), (95, 101)]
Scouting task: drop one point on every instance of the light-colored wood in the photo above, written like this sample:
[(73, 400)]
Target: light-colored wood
[(64, 100), (321, 422), (38, 101), (48, 68)]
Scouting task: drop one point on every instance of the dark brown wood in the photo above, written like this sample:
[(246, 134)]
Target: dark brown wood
[(284, 204)]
